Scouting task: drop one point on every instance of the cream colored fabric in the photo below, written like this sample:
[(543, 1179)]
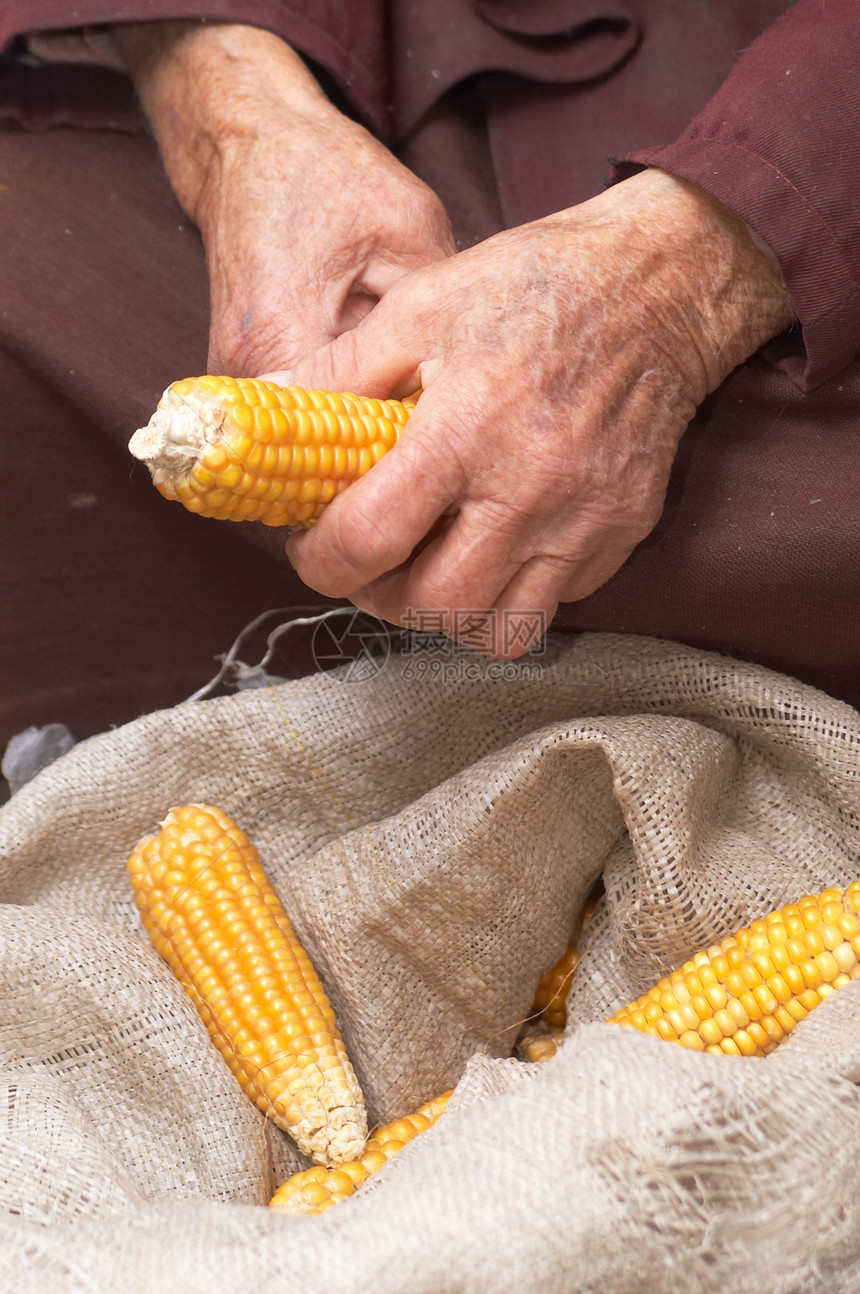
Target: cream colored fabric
[(433, 842)]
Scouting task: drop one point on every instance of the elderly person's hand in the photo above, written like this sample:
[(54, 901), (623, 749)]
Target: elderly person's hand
[(306, 219), (560, 363)]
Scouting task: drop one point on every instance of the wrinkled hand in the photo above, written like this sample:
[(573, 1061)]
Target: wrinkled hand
[(560, 363), (306, 219), (306, 228)]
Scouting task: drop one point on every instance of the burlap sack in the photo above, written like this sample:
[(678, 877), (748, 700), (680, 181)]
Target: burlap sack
[(433, 840)]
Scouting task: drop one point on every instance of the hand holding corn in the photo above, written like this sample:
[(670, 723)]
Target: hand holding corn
[(560, 362)]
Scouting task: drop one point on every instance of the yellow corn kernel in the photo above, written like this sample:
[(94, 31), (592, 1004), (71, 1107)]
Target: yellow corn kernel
[(811, 915), (679, 988), (773, 1029), (388, 1148), (355, 1171), (726, 1022), (211, 912), (763, 964), (796, 1009), (780, 956), (745, 1043), (312, 1191), (711, 1032), (759, 1036), (213, 440), (845, 958), (765, 999), (814, 940), (400, 1130), (717, 996), (831, 936), (750, 1005)]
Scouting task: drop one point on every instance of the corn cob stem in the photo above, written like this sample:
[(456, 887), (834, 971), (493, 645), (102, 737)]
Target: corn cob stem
[(316, 1189), (241, 449), (212, 914)]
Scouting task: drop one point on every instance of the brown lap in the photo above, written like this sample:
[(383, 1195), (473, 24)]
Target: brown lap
[(113, 602), (758, 550)]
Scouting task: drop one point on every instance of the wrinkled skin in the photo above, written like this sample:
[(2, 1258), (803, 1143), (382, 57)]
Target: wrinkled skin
[(560, 361), (307, 220), (292, 266)]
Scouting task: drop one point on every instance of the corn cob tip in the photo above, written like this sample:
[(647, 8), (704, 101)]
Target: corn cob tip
[(177, 433)]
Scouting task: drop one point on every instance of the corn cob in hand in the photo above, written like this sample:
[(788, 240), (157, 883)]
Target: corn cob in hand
[(212, 914), (241, 449)]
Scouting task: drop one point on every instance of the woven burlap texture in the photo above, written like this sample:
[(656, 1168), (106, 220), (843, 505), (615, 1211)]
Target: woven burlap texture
[(433, 839)]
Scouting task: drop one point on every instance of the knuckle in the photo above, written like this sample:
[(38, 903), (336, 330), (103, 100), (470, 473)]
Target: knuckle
[(361, 540), (331, 578), (243, 352)]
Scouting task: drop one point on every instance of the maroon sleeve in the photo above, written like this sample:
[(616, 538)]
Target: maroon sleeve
[(347, 39), (779, 144)]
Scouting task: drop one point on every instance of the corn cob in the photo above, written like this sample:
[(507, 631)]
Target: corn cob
[(744, 995), (740, 998), (316, 1189), (541, 1040), (552, 990), (241, 449), (212, 914)]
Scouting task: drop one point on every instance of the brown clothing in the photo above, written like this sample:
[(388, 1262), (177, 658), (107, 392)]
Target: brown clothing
[(511, 108)]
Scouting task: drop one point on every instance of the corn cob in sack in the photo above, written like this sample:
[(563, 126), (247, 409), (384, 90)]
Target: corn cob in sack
[(433, 843)]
